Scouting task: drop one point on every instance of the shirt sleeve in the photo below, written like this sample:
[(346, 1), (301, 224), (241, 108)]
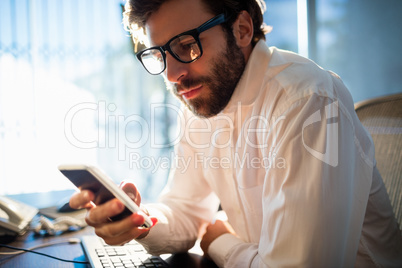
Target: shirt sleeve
[(314, 207), (186, 204)]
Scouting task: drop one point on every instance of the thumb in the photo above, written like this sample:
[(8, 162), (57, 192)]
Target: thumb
[(131, 190)]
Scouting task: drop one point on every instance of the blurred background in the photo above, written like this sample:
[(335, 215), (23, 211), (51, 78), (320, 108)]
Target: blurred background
[(71, 90)]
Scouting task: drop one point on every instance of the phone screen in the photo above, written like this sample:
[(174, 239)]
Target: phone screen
[(84, 179)]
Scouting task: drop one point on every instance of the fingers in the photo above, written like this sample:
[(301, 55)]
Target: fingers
[(118, 232), (121, 232), (102, 213), (82, 199), (98, 216)]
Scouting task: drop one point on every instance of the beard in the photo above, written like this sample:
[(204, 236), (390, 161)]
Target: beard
[(219, 85)]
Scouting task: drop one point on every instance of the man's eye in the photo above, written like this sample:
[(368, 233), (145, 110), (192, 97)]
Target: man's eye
[(184, 43), (187, 45)]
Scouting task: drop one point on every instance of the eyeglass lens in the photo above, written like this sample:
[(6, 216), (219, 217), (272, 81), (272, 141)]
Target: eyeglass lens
[(153, 61), (185, 49)]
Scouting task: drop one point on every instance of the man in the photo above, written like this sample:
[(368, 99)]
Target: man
[(269, 135)]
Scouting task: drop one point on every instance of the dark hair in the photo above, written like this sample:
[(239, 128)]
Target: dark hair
[(137, 13)]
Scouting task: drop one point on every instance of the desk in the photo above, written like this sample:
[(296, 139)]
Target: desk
[(76, 253), (72, 251), (64, 251)]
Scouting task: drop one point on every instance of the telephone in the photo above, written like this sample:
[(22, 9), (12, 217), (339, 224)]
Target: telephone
[(15, 216)]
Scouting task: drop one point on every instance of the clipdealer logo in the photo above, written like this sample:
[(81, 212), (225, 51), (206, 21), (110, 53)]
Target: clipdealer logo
[(115, 131), (330, 156), (99, 125)]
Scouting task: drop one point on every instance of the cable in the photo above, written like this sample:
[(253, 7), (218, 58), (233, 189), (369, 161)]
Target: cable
[(60, 224), (31, 250), (69, 241)]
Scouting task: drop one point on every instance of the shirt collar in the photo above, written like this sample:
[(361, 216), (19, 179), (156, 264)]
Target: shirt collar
[(250, 82)]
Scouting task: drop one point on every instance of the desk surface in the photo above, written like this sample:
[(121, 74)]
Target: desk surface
[(72, 251), (76, 253), (64, 251)]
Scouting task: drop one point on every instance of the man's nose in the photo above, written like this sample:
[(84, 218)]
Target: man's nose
[(175, 70)]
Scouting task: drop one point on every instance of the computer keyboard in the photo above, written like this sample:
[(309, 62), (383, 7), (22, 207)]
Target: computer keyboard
[(132, 254)]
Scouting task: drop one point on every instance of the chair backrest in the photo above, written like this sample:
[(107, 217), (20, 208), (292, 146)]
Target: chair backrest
[(382, 117)]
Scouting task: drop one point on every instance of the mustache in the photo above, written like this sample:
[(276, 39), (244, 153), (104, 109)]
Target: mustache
[(188, 83)]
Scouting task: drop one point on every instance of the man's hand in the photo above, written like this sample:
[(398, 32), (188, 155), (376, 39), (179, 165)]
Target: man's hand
[(213, 231), (118, 232)]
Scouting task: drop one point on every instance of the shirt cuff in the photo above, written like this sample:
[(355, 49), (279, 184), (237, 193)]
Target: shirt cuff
[(153, 242), (219, 248)]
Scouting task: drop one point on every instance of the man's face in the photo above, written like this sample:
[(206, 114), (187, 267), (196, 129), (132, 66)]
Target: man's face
[(206, 85)]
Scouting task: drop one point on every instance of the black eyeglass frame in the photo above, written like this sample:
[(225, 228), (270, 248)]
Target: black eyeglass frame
[(195, 33)]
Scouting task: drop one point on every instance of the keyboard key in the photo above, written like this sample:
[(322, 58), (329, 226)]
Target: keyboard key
[(131, 255)]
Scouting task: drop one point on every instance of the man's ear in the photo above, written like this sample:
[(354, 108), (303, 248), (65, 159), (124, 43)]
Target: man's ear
[(243, 29)]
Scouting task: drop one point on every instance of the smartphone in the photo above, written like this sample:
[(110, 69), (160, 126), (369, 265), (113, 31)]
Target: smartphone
[(93, 179)]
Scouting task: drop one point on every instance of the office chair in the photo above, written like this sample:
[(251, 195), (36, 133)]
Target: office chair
[(382, 117)]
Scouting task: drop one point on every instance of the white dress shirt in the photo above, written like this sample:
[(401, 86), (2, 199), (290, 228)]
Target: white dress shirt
[(293, 169)]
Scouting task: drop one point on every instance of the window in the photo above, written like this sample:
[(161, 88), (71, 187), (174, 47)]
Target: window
[(71, 90), (281, 15), (359, 40)]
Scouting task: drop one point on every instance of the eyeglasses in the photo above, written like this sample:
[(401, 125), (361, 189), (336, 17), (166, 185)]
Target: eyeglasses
[(185, 47)]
